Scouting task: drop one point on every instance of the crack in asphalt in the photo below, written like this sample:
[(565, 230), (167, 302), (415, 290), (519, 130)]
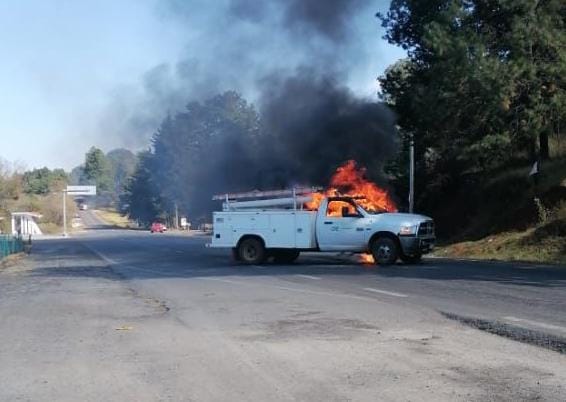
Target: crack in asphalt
[(520, 334)]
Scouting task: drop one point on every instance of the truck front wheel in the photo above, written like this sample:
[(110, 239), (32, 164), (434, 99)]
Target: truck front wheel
[(251, 251), (385, 251)]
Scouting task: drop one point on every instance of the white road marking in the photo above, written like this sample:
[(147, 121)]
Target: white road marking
[(385, 292), (316, 278), (109, 261), (290, 289), (535, 323)]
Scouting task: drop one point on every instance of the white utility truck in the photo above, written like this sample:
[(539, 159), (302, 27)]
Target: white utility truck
[(275, 224)]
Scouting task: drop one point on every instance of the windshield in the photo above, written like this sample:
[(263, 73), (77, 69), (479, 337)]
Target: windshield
[(372, 210)]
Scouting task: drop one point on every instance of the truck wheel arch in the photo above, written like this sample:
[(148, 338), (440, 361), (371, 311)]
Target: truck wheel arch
[(250, 236)]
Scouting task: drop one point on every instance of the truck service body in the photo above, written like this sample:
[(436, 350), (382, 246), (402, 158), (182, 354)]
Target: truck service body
[(280, 228)]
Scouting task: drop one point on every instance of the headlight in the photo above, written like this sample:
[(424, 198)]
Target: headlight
[(407, 230)]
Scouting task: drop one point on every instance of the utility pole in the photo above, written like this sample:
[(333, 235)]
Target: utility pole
[(65, 213), (412, 175), (176, 216)]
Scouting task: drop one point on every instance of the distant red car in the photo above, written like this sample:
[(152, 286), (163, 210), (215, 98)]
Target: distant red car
[(158, 227)]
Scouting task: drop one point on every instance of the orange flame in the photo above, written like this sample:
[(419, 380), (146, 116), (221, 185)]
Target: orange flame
[(366, 259), (349, 180)]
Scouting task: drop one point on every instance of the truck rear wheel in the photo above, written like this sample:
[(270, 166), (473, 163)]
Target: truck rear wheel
[(385, 251), (285, 256), (251, 251)]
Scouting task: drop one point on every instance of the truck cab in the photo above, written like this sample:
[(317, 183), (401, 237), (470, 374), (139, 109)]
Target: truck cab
[(343, 225)]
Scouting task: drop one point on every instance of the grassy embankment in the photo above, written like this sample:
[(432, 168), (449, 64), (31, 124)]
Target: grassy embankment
[(11, 260), (48, 206), (515, 219), (114, 218)]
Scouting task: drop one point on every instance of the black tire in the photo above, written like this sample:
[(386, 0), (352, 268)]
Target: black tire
[(412, 259), (285, 256), (385, 251), (251, 251)]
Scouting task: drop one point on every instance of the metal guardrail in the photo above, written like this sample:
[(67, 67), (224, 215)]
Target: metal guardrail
[(10, 245)]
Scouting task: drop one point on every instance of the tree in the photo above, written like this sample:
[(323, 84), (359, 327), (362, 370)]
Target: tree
[(484, 81), (43, 181), (10, 183), (97, 169), (76, 177), (141, 197), (207, 148), (122, 165)]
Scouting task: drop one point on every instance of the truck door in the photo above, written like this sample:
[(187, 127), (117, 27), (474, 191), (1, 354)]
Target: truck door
[(342, 228)]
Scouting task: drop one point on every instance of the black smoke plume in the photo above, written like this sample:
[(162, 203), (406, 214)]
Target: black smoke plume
[(293, 59), (313, 125)]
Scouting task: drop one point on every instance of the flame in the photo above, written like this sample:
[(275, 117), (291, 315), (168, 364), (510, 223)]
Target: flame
[(349, 180), (366, 259)]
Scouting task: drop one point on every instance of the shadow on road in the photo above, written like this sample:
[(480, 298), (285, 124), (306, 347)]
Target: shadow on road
[(147, 257)]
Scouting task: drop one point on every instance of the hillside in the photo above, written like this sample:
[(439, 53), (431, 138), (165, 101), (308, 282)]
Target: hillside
[(511, 217)]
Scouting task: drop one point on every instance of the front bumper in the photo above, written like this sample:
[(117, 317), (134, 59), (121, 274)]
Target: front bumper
[(413, 245)]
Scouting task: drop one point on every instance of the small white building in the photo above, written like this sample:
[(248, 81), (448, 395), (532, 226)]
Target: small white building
[(23, 223)]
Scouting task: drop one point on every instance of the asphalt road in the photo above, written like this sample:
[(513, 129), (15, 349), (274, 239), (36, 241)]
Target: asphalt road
[(91, 221), (126, 315)]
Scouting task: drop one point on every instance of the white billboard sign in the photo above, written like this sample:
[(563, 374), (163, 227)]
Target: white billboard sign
[(81, 190)]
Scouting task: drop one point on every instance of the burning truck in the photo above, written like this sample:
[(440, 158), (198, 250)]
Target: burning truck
[(353, 215)]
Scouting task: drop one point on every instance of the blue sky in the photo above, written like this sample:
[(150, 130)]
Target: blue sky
[(71, 70)]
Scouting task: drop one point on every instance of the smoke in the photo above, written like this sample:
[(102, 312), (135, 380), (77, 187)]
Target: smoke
[(314, 125), (295, 60), (234, 45), (329, 19)]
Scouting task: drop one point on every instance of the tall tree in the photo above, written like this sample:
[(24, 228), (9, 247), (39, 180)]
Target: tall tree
[(141, 197), (122, 165), (485, 79), (96, 169), (207, 148), (76, 176)]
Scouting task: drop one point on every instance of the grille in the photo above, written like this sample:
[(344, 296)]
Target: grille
[(426, 228)]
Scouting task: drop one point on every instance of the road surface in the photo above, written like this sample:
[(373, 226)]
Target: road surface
[(126, 315), (91, 221)]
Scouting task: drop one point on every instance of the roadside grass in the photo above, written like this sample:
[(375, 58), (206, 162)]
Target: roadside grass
[(114, 218), (510, 246), (50, 227), (544, 243), (11, 260)]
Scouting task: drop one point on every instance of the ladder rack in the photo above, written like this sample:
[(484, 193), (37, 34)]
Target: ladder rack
[(294, 197)]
